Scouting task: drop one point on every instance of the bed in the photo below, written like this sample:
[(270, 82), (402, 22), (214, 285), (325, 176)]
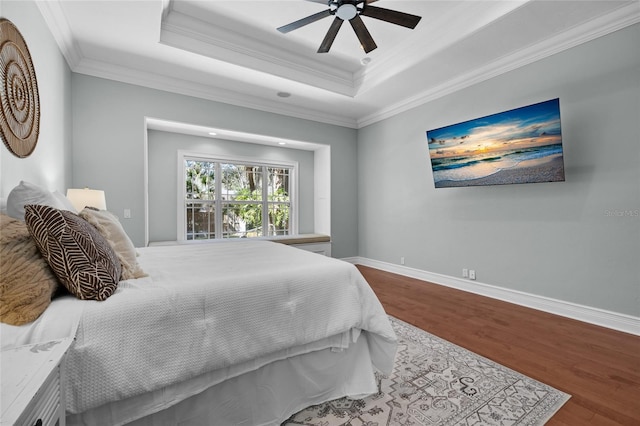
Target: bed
[(224, 333)]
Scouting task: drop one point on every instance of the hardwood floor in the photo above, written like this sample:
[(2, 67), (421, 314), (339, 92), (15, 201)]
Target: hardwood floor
[(598, 367)]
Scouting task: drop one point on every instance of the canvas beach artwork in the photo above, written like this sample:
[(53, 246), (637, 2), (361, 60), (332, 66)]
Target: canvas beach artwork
[(522, 145)]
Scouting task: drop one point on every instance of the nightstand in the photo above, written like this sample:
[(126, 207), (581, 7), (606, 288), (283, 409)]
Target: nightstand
[(31, 390)]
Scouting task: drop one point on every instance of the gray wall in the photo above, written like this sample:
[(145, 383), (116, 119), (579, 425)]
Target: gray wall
[(49, 164), (163, 148), (108, 147), (549, 239)]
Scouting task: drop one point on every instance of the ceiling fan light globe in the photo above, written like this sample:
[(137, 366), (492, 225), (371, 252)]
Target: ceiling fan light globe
[(347, 12)]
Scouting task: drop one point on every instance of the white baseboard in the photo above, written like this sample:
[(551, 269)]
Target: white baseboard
[(601, 317)]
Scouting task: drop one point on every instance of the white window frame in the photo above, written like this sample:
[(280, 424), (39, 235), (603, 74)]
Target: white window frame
[(214, 158)]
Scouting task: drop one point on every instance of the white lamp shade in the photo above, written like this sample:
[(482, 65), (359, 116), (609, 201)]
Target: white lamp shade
[(81, 198)]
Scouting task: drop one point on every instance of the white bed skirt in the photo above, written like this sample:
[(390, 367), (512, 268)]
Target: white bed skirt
[(266, 396)]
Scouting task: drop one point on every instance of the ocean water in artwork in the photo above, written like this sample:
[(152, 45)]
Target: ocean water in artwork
[(482, 165)]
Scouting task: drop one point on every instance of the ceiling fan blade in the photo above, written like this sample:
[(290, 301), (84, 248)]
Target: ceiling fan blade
[(366, 41), (393, 16), (331, 36), (304, 21)]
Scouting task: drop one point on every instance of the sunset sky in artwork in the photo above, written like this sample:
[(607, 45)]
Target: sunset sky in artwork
[(527, 127)]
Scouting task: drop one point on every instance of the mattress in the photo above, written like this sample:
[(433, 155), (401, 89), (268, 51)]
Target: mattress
[(216, 310)]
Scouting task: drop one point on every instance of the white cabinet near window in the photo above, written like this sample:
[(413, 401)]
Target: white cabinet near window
[(31, 390), (318, 248), (316, 243)]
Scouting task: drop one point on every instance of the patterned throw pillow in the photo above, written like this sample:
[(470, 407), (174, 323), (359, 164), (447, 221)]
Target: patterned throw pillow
[(81, 258)]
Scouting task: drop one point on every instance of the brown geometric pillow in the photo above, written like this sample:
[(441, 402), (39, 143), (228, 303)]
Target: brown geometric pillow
[(81, 258), (26, 281)]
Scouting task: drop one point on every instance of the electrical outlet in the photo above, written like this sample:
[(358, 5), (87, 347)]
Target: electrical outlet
[(127, 213), (472, 274), (465, 273)]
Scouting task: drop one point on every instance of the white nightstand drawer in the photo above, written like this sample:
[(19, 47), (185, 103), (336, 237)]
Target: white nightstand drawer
[(32, 377), (46, 404)]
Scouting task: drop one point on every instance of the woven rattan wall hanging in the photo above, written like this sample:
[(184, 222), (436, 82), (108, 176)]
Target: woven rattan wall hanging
[(20, 110)]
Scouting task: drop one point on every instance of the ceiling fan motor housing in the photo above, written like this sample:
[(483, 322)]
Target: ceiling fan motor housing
[(345, 9)]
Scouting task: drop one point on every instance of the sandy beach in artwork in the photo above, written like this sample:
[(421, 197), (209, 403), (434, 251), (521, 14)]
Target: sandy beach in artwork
[(546, 169)]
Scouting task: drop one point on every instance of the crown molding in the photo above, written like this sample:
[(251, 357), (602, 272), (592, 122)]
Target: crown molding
[(57, 23), (623, 17), (192, 34), (442, 37), (111, 71)]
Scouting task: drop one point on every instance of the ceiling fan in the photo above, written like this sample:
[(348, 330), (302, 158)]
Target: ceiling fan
[(351, 10)]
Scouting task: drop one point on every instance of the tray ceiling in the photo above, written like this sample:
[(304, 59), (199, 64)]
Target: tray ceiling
[(230, 51)]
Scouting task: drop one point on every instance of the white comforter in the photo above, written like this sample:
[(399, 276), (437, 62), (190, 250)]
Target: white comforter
[(213, 306)]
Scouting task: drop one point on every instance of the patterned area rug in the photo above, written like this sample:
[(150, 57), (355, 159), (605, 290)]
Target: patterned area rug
[(435, 382)]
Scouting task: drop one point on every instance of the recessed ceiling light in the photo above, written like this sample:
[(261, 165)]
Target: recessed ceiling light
[(284, 94)]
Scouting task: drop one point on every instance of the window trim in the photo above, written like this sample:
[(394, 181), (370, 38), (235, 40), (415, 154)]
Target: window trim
[(183, 155)]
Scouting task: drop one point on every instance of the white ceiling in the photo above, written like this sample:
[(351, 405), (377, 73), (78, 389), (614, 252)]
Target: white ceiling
[(230, 51)]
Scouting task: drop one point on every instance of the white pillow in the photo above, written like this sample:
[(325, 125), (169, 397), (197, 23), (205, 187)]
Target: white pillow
[(64, 202), (29, 193), (111, 229)]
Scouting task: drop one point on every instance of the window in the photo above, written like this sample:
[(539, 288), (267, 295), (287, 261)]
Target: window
[(235, 198)]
